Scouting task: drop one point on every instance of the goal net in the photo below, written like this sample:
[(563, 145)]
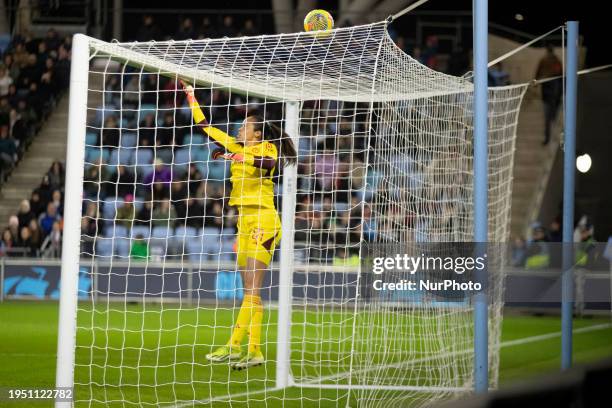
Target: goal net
[(385, 160)]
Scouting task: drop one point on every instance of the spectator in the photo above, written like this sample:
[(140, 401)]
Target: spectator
[(56, 200), (56, 239), (550, 66), (56, 175), (62, 68), (147, 130), (14, 227), (20, 56), (122, 183), (160, 174), (249, 28), (11, 67), (26, 242), (459, 61), (25, 214), (228, 29), (94, 178), (206, 29), (17, 128), (44, 191), (497, 76), (139, 249), (148, 30), (519, 252), (191, 211), (52, 40), (36, 206), (5, 81), (127, 212), (537, 252), (7, 242), (48, 218), (144, 215), (110, 132), (35, 232), (162, 213), (8, 152), (185, 31)]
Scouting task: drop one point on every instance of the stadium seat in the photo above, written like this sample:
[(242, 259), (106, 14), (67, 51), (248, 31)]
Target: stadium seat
[(209, 232), (104, 247), (182, 156), (117, 231), (140, 230), (129, 140), (120, 157), (109, 208), (195, 140), (104, 112), (93, 154), (142, 156), (122, 247), (161, 232), (217, 170), (166, 155), (226, 252), (91, 139)]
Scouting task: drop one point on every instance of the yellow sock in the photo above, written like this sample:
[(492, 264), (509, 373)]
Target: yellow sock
[(255, 326), (242, 322)]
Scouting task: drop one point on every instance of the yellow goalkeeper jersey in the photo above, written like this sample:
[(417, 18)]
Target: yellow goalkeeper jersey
[(251, 185)]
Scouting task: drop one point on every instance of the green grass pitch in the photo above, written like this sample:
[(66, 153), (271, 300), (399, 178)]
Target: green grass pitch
[(28, 333)]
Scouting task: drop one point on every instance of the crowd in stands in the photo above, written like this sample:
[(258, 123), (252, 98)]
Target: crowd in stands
[(544, 248), (37, 226), (151, 188), (33, 73)]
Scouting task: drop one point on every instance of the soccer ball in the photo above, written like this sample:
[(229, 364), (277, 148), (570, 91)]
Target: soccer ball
[(318, 20)]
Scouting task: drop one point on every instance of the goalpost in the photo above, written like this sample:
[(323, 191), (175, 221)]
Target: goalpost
[(385, 160)]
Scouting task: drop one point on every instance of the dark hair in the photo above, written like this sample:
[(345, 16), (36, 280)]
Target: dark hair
[(274, 134)]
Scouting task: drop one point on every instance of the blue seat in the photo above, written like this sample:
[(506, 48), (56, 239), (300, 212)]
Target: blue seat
[(109, 208), (210, 232), (140, 230), (182, 156), (91, 139), (142, 156), (92, 154), (122, 247), (118, 231), (104, 247), (194, 139), (217, 170), (226, 252), (187, 232), (129, 139), (120, 157), (104, 112), (165, 154), (161, 232)]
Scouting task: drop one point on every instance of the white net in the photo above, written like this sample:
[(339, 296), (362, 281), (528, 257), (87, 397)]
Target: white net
[(384, 157)]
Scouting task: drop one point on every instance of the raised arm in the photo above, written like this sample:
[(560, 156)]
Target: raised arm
[(217, 135)]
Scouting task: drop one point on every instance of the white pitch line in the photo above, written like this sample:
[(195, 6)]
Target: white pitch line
[(509, 343)]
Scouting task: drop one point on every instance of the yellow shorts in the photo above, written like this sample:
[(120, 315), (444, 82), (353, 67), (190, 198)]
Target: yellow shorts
[(259, 231)]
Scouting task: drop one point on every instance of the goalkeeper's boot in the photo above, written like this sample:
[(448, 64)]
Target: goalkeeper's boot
[(252, 359), (224, 353)]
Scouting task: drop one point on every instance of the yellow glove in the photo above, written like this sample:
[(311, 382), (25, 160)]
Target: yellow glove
[(198, 115)]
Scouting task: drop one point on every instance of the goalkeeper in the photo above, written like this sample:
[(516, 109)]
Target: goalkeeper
[(254, 155)]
